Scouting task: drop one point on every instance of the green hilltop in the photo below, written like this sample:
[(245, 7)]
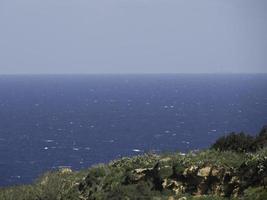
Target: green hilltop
[(235, 167)]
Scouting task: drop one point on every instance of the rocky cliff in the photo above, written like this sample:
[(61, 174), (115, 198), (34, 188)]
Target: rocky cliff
[(226, 171)]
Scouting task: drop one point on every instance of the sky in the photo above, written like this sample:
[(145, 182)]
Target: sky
[(133, 36)]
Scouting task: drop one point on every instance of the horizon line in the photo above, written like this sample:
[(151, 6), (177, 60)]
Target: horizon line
[(140, 73)]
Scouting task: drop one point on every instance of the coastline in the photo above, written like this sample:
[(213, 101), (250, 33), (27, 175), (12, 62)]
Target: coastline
[(225, 171)]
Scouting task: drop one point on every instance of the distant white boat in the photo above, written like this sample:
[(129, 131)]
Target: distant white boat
[(136, 150)]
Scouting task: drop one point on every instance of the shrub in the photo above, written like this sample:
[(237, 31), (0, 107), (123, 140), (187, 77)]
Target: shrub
[(235, 142), (240, 142)]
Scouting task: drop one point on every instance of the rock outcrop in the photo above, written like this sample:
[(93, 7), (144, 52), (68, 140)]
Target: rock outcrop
[(202, 180), (239, 172)]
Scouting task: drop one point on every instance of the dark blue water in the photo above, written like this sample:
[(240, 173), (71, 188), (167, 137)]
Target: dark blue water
[(52, 121)]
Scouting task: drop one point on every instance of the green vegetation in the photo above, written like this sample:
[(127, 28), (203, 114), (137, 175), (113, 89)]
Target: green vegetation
[(225, 171), (240, 142), (258, 193)]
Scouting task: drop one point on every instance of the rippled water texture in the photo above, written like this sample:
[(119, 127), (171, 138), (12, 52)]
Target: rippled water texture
[(52, 121)]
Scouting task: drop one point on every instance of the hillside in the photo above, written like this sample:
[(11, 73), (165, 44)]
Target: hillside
[(235, 167)]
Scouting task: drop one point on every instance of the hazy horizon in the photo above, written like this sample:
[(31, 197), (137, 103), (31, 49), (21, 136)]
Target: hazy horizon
[(133, 37), (140, 73)]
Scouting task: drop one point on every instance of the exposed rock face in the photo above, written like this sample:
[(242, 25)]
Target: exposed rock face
[(154, 175), (175, 186), (197, 180), (224, 174), (65, 171), (204, 172), (140, 174)]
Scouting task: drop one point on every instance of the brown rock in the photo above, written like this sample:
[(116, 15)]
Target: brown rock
[(175, 186), (138, 174), (215, 172), (164, 183), (65, 171), (171, 198), (204, 172), (190, 170), (234, 180), (141, 171)]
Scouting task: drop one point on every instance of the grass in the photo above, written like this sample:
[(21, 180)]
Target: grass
[(106, 181)]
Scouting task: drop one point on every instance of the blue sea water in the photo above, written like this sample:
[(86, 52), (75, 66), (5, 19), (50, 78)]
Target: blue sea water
[(47, 122)]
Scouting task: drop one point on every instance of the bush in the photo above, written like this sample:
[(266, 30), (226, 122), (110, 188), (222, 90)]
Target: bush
[(261, 139), (235, 142), (240, 142)]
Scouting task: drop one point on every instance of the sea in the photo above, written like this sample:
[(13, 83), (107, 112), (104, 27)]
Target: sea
[(52, 121)]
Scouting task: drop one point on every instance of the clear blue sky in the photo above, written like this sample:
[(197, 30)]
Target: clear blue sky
[(133, 36)]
